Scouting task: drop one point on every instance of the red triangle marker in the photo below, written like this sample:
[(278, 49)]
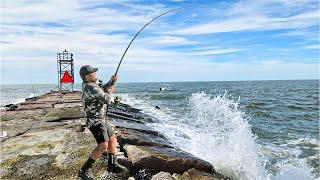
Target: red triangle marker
[(66, 78)]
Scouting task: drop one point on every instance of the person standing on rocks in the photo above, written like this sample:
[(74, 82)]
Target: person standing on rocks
[(95, 96)]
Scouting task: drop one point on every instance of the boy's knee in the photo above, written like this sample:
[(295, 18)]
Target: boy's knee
[(113, 139)]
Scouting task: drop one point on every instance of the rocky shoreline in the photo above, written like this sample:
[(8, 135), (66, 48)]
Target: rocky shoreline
[(47, 139)]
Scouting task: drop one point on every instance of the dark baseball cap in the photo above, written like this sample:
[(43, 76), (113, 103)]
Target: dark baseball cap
[(87, 69)]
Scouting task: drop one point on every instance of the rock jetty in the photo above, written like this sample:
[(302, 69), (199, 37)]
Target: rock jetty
[(46, 138)]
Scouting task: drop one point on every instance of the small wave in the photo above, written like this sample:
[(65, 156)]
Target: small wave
[(312, 141), (259, 103), (16, 100), (284, 162), (20, 100), (291, 172), (167, 97), (296, 107)]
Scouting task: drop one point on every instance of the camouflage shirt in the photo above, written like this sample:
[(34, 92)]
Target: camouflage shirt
[(94, 99)]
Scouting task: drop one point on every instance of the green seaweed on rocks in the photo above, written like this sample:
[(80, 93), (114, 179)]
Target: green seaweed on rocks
[(47, 144), (7, 117)]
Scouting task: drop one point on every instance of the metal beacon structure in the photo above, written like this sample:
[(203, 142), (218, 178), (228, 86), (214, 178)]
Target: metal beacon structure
[(65, 70)]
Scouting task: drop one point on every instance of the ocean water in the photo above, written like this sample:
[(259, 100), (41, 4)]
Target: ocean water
[(246, 129)]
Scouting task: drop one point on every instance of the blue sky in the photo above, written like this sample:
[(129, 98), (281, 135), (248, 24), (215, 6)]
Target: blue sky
[(211, 41)]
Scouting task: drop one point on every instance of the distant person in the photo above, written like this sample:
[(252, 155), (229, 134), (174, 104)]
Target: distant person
[(94, 98)]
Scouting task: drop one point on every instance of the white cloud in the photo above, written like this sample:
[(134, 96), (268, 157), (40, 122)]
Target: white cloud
[(166, 40), (257, 22), (259, 15), (314, 46), (217, 51), (98, 33)]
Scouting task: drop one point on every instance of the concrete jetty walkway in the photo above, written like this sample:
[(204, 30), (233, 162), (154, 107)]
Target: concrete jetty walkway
[(46, 138)]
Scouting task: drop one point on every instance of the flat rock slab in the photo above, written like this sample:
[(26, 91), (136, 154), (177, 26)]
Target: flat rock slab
[(164, 159), (117, 116), (121, 112), (18, 115), (119, 123), (128, 136), (64, 113)]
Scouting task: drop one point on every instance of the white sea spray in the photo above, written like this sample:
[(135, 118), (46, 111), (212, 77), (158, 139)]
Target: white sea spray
[(218, 131)]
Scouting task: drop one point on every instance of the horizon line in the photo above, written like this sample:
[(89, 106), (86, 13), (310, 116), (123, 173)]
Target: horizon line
[(129, 82)]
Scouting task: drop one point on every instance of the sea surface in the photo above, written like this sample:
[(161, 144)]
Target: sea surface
[(246, 129)]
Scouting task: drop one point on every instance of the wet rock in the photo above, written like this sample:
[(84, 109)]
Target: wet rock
[(162, 176), (128, 108), (120, 112), (164, 159), (13, 107), (137, 127), (123, 161), (134, 110), (32, 99), (128, 114), (127, 136), (112, 115), (7, 105)]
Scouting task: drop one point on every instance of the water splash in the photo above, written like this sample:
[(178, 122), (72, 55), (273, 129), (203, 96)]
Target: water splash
[(226, 135), (217, 130)]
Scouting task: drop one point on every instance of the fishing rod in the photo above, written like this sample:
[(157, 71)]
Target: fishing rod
[(124, 53), (172, 10)]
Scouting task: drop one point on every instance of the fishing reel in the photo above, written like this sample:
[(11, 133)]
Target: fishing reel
[(117, 100), (100, 83)]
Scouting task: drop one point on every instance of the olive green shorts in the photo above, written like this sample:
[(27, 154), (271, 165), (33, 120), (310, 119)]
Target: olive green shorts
[(102, 132)]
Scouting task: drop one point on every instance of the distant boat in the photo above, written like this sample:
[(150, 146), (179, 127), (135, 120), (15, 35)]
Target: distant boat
[(164, 87)]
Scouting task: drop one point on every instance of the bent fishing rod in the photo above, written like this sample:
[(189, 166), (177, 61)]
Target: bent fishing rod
[(172, 10), (149, 22)]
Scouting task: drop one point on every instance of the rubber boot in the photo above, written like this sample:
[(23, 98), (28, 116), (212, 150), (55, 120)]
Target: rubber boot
[(85, 172)]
